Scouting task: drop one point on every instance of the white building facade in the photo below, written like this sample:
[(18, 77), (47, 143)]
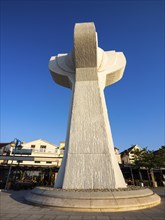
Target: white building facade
[(128, 156), (38, 152)]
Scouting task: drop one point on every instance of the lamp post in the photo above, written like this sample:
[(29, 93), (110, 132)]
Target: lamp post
[(15, 143)]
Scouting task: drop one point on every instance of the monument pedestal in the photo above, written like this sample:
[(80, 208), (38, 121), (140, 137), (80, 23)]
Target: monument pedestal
[(94, 201)]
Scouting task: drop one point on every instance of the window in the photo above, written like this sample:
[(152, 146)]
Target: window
[(42, 148), (48, 161), (33, 147), (37, 161)]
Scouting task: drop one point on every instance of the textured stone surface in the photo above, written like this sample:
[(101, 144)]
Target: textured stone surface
[(89, 161), (94, 201)]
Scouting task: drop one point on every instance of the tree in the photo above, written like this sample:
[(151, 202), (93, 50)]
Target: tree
[(150, 159), (138, 155), (160, 157)]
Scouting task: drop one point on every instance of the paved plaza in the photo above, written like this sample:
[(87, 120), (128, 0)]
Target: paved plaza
[(14, 207)]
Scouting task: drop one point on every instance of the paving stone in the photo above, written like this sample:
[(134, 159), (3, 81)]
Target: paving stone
[(3, 218), (116, 218), (9, 215), (36, 217), (130, 217), (89, 217), (144, 217), (75, 217), (62, 217), (19, 218), (48, 217), (102, 217), (22, 216)]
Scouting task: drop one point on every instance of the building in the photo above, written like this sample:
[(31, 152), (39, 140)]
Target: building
[(40, 146), (38, 152), (4, 151), (118, 155), (4, 148), (62, 148), (128, 156), (36, 161)]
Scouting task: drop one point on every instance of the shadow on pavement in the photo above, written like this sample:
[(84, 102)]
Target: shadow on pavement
[(19, 196)]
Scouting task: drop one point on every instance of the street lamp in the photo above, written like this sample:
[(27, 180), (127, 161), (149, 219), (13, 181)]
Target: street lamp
[(15, 143)]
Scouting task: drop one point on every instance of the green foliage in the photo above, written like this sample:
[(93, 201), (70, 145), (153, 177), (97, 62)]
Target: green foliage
[(150, 159)]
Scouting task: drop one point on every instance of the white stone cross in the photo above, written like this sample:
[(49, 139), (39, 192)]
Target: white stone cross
[(89, 161)]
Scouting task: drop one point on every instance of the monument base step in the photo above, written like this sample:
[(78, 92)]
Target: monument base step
[(94, 201)]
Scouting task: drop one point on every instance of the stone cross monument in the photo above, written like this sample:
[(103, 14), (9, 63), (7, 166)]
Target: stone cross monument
[(90, 173), (89, 161)]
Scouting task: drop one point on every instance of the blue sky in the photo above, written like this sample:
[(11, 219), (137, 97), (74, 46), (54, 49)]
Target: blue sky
[(33, 106)]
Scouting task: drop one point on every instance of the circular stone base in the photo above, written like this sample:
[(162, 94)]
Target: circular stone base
[(94, 200)]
